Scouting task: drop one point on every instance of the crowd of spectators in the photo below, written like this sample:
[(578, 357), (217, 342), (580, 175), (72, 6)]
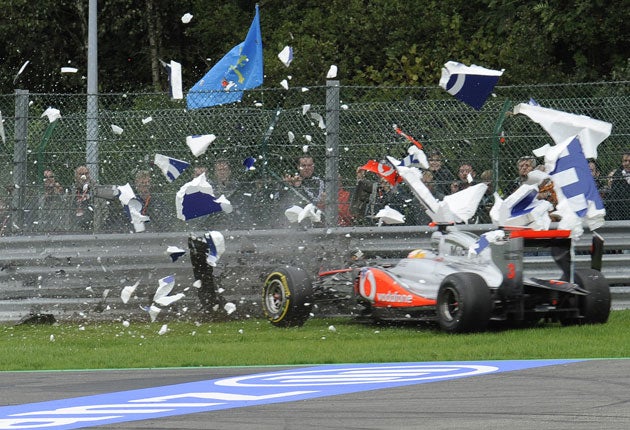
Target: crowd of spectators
[(260, 203)]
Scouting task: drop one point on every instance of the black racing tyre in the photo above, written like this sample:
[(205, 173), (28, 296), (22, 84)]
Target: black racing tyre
[(595, 307), (463, 303), (286, 297)]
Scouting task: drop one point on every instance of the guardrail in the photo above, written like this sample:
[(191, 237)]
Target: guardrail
[(80, 277)]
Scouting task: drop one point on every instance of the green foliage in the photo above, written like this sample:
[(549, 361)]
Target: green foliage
[(255, 342), (381, 42)]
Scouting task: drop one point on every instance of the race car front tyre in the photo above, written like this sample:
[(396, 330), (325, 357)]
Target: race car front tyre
[(286, 297), (463, 303), (594, 308)]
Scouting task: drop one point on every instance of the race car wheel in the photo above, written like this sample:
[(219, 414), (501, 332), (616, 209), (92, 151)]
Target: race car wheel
[(286, 297), (595, 307), (463, 303)]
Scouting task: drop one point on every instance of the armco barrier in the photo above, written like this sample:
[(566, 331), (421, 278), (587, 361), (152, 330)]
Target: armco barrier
[(80, 277)]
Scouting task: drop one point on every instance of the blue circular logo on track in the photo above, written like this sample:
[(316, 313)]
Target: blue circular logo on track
[(352, 375)]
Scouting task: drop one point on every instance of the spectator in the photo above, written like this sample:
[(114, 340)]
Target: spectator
[(400, 198), (442, 177), (524, 165), (465, 178), (222, 182), (51, 207), (602, 186), (198, 170), (618, 203), (487, 201), (307, 187), (344, 217), (152, 205), (362, 200), (84, 209)]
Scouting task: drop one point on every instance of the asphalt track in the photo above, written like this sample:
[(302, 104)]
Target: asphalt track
[(592, 394)]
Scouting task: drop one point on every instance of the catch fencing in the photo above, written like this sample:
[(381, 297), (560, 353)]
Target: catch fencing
[(81, 277), (341, 127)]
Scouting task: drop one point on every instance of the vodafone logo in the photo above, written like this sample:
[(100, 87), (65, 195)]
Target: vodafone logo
[(359, 375), (367, 284)]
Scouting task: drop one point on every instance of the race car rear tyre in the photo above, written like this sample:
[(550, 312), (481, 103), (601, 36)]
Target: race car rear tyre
[(286, 297), (595, 307), (463, 303)]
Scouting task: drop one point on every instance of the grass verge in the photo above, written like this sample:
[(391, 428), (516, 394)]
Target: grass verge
[(256, 342)]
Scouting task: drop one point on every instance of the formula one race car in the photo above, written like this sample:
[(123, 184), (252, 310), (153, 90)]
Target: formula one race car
[(463, 283)]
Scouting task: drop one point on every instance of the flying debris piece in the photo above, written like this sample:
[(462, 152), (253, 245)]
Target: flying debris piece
[(197, 283), (170, 167), (416, 158), (52, 338), (174, 73), (332, 72), (522, 209), (563, 125), (305, 149), (332, 328), (216, 246), (52, 114), (298, 214), (116, 129), (125, 324), (198, 144), (147, 120), (317, 117), (69, 70), (291, 136), (20, 71), (169, 300), (175, 252), (469, 84), (293, 213), (127, 291), (484, 241), (196, 198), (408, 137), (186, 18), (390, 216), (286, 55), (153, 312), (165, 287), (133, 206), (285, 84), (163, 329), (249, 163), (2, 135), (458, 207), (308, 138), (305, 108), (311, 212), (229, 308)]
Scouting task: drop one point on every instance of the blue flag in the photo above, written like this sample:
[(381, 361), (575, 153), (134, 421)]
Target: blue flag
[(240, 69), (469, 84)]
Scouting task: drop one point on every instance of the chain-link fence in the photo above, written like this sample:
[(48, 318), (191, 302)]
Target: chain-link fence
[(276, 127)]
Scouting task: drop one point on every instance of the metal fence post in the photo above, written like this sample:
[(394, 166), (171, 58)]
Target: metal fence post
[(332, 152), (20, 152)]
